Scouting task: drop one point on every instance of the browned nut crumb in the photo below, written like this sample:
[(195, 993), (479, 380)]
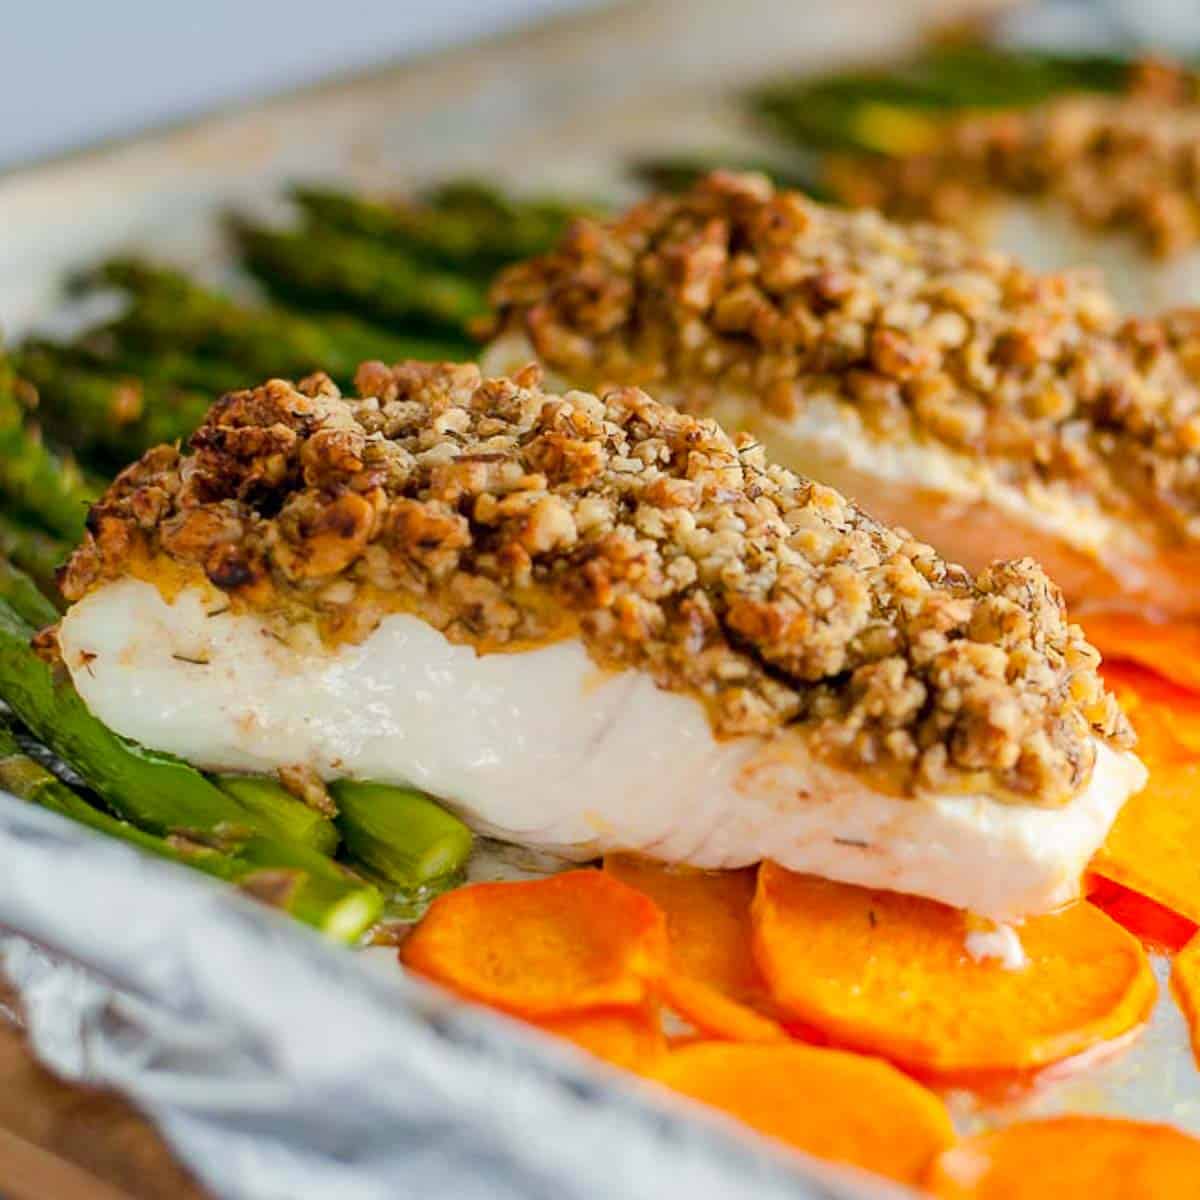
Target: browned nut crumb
[(309, 788)]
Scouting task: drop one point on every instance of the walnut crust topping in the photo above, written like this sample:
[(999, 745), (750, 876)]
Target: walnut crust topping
[(507, 516), (1116, 162), (737, 286)]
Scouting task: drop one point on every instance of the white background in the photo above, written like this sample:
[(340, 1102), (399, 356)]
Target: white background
[(75, 71)]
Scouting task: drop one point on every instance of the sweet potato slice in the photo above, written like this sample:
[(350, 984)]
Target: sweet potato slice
[(714, 1014), (713, 980), (1170, 648), (1185, 983), (543, 947), (829, 1103), (1165, 715), (890, 974), (1154, 925), (1095, 1158), (1151, 848), (632, 1038)]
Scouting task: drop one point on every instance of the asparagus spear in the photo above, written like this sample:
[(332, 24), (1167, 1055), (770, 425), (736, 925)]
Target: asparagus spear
[(676, 173), (842, 113), (265, 796), (98, 351), (36, 553), (899, 109), (400, 834), (979, 76), (170, 312), (33, 479), (154, 791), (175, 368), (340, 907), (23, 596), (114, 417), (472, 231), (345, 272), (483, 200)]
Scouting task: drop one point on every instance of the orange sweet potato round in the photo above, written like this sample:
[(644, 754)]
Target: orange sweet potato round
[(1154, 925), (543, 947), (1165, 715), (713, 980), (890, 974), (839, 1106), (1151, 847), (629, 1038), (1170, 648), (715, 1014), (1093, 1158)]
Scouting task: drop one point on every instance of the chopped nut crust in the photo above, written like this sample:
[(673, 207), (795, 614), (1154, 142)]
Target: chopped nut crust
[(737, 286), (1116, 162), (507, 517)]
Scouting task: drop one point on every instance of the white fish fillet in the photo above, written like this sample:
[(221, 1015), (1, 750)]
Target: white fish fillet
[(543, 748)]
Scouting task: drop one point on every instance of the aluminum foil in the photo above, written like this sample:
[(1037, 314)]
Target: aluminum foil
[(281, 1067)]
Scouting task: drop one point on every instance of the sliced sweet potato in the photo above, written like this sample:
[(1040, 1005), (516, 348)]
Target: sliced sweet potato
[(708, 920), (1151, 847), (543, 947), (713, 979), (1165, 715), (631, 1038), (1153, 924), (829, 1103), (890, 974), (1093, 1158), (1185, 983), (1170, 648), (714, 1014)]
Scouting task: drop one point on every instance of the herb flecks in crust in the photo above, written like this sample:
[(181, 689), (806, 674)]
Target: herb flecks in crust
[(737, 287), (506, 517)]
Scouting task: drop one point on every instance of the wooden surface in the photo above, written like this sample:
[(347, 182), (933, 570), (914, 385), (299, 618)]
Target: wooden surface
[(59, 1142)]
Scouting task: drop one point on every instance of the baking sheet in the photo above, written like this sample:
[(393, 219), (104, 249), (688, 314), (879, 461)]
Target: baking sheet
[(278, 1066)]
